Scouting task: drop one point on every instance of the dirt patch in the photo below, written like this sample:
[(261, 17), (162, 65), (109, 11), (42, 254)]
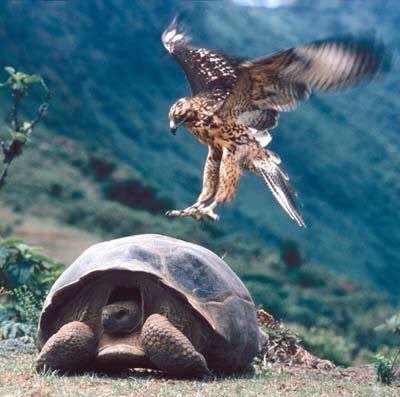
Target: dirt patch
[(61, 242)]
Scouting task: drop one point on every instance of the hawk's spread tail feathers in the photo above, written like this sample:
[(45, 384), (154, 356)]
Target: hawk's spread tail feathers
[(267, 165)]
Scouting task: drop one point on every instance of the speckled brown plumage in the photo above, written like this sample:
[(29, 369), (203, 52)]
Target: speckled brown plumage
[(236, 102)]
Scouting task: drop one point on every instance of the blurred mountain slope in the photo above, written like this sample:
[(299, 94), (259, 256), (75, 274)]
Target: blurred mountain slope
[(115, 84)]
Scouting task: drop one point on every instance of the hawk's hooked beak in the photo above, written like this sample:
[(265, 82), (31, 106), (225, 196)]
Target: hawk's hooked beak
[(172, 127)]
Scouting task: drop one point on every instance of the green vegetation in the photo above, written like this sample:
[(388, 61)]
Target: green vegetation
[(384, 369), (109, 96), (386, 366), (25, 278), (335, 317), (24, 266), (91, 190), (326, 343), (20, 131), (117, 116)]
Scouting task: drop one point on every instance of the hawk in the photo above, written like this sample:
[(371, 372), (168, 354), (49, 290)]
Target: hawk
[(235, 102)]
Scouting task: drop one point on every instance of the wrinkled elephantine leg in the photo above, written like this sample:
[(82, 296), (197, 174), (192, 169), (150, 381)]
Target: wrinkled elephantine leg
[(170, 350), (71, 348)]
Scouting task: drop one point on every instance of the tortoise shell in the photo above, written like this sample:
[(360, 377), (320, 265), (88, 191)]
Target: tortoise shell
[(198, 276)]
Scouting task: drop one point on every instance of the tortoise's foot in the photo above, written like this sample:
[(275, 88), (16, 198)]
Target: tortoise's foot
[(70, 349), (196, 211), (170, 350)]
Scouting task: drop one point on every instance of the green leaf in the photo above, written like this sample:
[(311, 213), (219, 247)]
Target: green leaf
[(11, 241), (19, 136), (41, 258), (392, 324), (10, 70), (20, 76), (18, 86), (26, 125), (7, 82), (33, 78), (3, 256)]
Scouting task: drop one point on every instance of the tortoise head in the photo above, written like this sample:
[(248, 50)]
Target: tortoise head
[(121, 318), (121, 321)]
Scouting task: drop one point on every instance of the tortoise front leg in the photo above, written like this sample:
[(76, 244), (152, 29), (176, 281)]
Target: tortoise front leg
[(70, 349), (170, 350)]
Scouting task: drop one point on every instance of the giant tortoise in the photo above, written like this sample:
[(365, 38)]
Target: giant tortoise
[(148, 301)]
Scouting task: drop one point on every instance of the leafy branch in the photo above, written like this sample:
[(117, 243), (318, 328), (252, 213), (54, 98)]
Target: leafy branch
[(19, 130), (21, 264)]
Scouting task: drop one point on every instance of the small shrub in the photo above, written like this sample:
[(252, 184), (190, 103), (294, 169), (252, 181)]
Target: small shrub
[(134, 192), (25, 276), (384, 369), (290, 254), (327, 344), (10, 329), (385, 366), (28, 308), (22, 265), (280, 345), (20, 131)]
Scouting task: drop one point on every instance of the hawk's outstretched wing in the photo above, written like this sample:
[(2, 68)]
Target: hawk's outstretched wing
[(206, 70), (279, 81)]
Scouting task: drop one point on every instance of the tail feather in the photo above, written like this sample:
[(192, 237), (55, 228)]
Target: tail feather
[(278, 182)]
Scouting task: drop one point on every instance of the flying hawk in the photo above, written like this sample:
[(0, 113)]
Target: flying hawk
[(235, 102)]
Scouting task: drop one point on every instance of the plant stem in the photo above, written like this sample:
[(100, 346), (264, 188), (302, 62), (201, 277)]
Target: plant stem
[(17, 95), (394, 360), (13, 149), (3, 174)]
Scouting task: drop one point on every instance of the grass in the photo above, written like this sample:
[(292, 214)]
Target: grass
[(17, 378)]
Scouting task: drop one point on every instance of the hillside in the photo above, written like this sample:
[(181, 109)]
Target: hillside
[(75, 198), (115, 84)]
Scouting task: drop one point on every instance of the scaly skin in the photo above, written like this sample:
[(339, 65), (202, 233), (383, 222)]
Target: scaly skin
[(70, 349), (170, 350)]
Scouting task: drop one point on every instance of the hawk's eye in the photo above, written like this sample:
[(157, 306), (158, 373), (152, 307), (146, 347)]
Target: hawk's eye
[(181, 119)]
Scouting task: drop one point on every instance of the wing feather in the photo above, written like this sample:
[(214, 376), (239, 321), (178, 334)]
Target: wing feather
[(279, 81), (205, 70), (259, 119)]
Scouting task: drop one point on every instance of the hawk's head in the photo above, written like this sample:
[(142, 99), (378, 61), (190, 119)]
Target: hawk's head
[(180, 113)]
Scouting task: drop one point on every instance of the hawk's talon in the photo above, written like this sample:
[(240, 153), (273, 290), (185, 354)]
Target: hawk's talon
[(199, 214)]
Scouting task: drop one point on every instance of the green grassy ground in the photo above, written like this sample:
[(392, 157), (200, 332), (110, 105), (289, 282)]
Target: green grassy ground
[(17, 378)]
